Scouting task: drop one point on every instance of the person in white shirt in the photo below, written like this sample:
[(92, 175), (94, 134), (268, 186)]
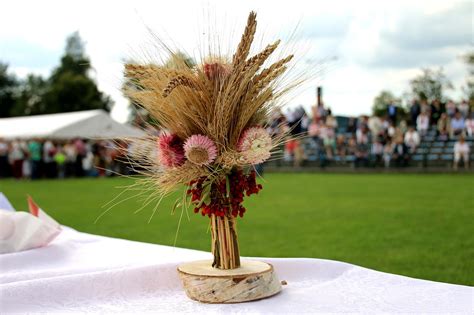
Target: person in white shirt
[(422, 123), (461, 150), (412, 139), (16, 159)]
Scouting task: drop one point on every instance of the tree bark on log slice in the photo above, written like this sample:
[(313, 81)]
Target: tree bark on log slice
[(253, 280)]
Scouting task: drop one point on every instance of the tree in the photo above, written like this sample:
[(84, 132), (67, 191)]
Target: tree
[(8, 87), (430, 85), (381, 101), (70, 87), (30, 96), (469, 88)]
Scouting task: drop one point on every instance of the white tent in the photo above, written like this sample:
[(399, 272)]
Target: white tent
[(84, 124)]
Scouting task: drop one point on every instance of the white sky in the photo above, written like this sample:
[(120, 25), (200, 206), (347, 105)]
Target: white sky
[(378, 44)]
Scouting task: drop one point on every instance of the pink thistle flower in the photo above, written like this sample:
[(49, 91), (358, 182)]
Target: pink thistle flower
[(255, 145), (170, 150), (200, 150)]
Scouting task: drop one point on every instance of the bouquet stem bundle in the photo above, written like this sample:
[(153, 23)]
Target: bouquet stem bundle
[(225, 246)]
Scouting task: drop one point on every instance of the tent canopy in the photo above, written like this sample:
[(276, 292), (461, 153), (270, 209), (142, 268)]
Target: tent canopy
[(84, 124)]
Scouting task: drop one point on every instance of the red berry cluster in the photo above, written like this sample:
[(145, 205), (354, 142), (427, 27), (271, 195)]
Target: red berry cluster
[(220, 203), (196, 189)]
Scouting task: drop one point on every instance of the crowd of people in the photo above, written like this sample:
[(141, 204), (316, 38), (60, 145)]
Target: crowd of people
[(384, 141), (44, 158), (379, 140)]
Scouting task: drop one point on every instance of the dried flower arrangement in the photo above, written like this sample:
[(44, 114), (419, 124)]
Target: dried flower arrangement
[(214, 115)]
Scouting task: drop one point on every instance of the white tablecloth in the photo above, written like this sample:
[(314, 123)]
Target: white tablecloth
[(81, 272)]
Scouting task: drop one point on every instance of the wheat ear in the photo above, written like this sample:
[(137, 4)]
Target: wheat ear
[(177, 81), (246, 41), (258, 60)]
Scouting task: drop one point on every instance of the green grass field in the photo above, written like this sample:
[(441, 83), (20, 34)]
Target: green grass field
[(416, 225)]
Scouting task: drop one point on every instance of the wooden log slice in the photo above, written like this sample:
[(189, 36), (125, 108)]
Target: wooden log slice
[(253, 280)]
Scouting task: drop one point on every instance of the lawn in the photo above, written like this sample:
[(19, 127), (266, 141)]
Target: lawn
[(416, 225)]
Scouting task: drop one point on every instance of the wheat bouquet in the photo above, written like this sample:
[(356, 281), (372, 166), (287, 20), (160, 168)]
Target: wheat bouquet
[(214, 116)]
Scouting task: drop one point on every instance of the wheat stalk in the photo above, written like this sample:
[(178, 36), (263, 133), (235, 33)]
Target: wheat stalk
[(177, 81), (246, 40)]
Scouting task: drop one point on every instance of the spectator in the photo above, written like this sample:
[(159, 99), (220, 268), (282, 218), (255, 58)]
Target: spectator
[(385, 123), (319, 111), (400, 153), (341, 148), (450, 109), (352, 146), (444, 127), (49, 150), (391, 130), (387, 153), (464, 108), (375, 126), (363, 122), (415, 110), (362, 154), (377, 152), (299, 155), (26, 169), (331, 121), (88, 165), (436, 111), (412, 139), (314, 129), (305, 122), (470, 125), (289, 150), (423, 124), (71, 156), (461, 151), (4, 166), (399, 132), (295, 120), (81, 152), (34, 152), (403, 126), (17, 157), (362, 135), (60, 160), (457, 124), (351, 125), (392, 112), (329, 140), (424, 107)]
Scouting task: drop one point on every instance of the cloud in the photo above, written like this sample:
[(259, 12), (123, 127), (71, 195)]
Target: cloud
[(391, 56), (424, 40), (439, 30)]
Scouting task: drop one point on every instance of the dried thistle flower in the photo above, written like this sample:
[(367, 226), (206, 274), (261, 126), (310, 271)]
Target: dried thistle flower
[(255, 145), (170, 150), (200, 150)]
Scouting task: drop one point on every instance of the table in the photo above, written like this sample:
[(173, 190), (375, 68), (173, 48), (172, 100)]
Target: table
[(81, 272)]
